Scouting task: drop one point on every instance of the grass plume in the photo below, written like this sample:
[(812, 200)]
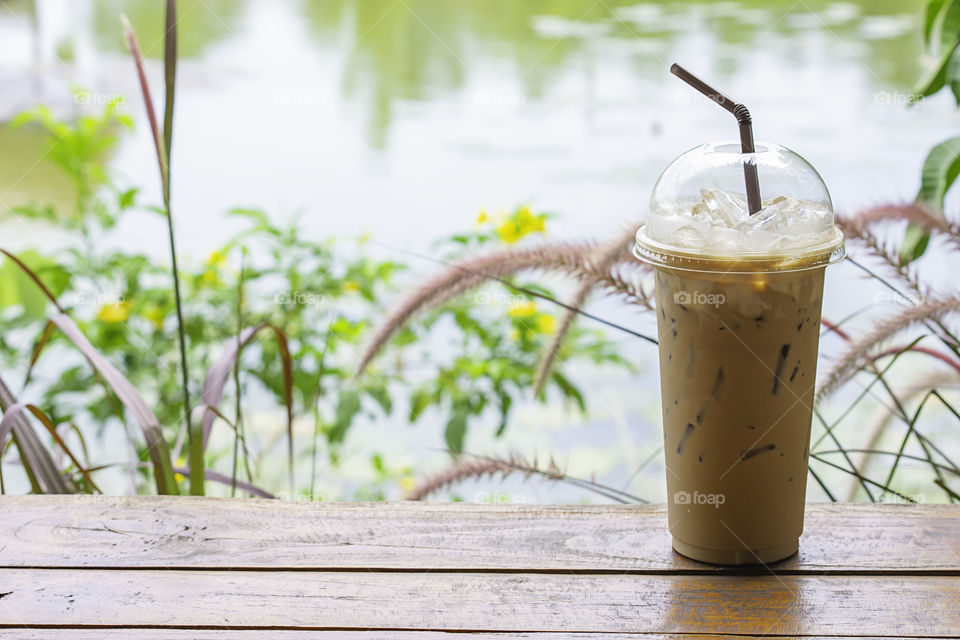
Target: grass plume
[(606, 257), (858, 353), (574, 259), (474, 466)]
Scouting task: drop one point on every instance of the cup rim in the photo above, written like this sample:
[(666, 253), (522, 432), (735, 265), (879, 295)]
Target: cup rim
[(660, 254)]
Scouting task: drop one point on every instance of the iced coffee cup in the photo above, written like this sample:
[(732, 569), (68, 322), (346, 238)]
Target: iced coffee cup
[(739, 286), (738, 309)]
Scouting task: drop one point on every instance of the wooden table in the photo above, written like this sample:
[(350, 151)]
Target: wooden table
[(181, 568)]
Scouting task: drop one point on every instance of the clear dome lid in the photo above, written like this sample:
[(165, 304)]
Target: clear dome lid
[(699, 210)]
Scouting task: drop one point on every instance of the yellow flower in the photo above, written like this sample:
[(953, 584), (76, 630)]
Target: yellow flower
[(407, 483), (155, 315), (115, 312), (546, 323), (482, 218), (522, 223), (217, 259), (351, 286), (210, 278), (180, 476), (522, 309), (528, 221), (508, 232)]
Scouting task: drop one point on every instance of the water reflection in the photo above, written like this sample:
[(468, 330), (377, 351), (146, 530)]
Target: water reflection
[(476, 102), (415, 49), (200, 24)]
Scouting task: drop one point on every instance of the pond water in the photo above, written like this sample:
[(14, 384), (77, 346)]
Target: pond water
[(405, 117)]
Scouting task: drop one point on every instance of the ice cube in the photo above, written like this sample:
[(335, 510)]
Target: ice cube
[(729, 208), (719, 222), (688, 237)]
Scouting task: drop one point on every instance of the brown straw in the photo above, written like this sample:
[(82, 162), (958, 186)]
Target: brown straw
[(746, 130)]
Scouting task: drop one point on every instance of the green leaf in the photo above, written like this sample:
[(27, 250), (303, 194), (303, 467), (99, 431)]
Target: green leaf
[(348, 406), (16, 288), (382, 398), (930, 15), (940, 171), (255, 215), (127, 198), (953, 77), (915, 241), (936, 78), (569, 390), (456, 428), (948, 26), (419, 400), (506, 401)]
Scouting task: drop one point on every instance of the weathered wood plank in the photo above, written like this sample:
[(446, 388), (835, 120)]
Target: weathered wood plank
[(97, 531), (233, 634), (762, 605)]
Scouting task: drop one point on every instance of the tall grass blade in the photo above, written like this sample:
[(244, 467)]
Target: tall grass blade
[(13, 425), (219, 373), (134, 45), (163, 146), (169, 75), (48, 424), (220, 478), (950, 492), (41, 342), (131, 399), (41, 469), (125, 391), (33, 276), (237, 390)]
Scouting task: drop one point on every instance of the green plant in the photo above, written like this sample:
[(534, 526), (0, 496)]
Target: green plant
[(941, 37), (610, 268), (80, 149), (500, 335), (116, 307)]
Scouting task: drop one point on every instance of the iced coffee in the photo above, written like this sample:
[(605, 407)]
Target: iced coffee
[(738, 299)]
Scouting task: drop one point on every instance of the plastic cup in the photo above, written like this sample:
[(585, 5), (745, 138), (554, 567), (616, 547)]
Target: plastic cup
[(738, 311)]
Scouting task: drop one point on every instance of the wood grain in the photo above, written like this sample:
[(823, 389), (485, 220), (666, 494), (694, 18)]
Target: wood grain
[(240, 634), (762, 605), (97, 531)]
